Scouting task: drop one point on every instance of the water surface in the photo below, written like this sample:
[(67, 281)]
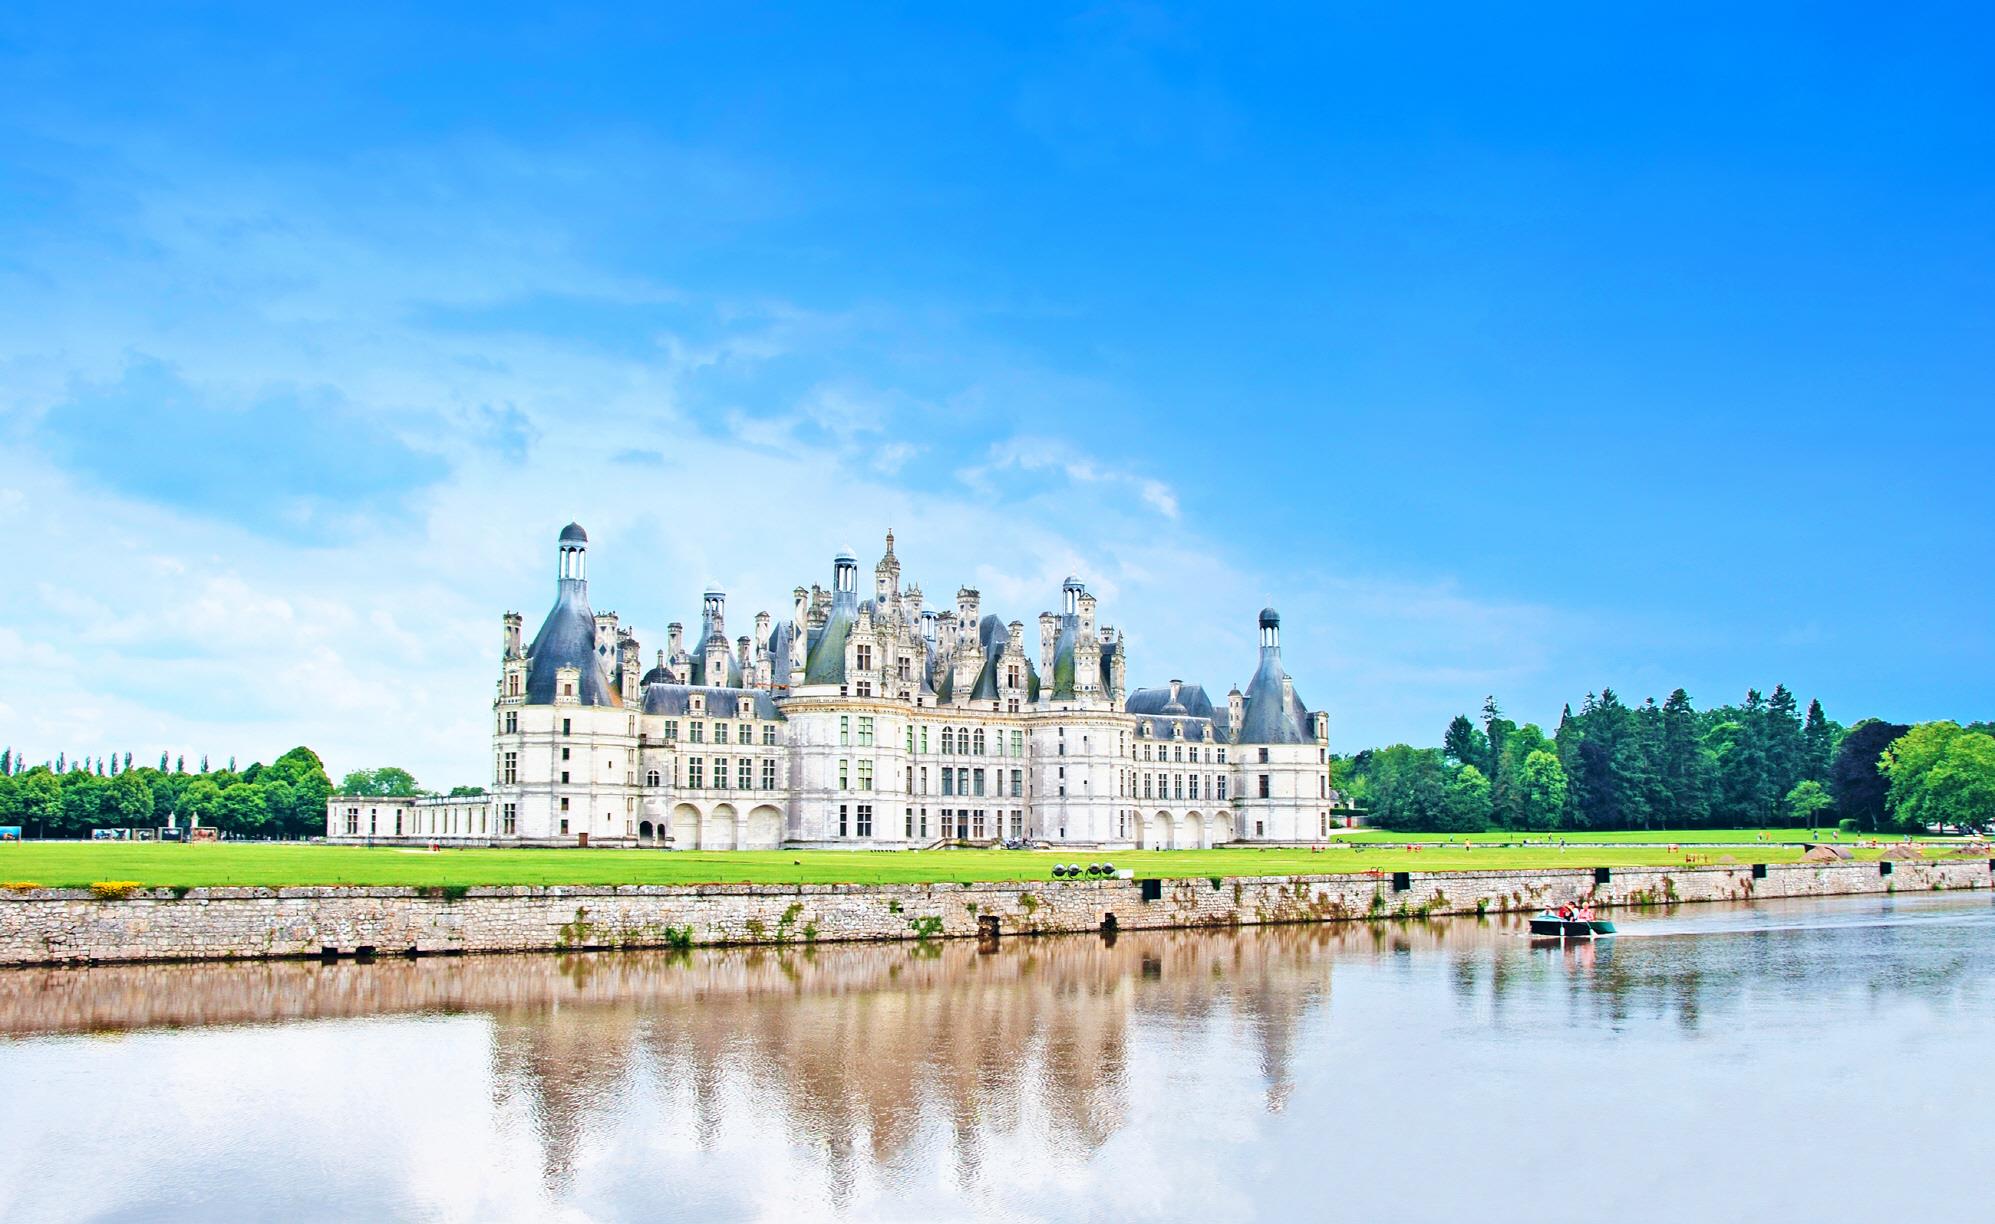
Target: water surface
[(1775, 1061)]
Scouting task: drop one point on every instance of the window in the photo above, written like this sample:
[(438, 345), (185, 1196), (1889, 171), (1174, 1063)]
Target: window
[(910, 812), (924, 779), (564, 777), (1146, 786), (353, 822), (651, 777), (720, 773), (844, 730), (977, 828), (1264, 786), (1219, 787), (948, 824), (1222, 756), (1179, 755), (924, 739), (768, 735), (862, 656), (745, 773), (948, 741), (1323, 824), (696, 776), (567, 690), (865, 775), (1017, 783), (1192, 793), (865, 821), (564, 807), (1018, 743), (671, 730), (923, 825), (910, 737), (696, 732), (564, 754), (1260, 828), (841, 821), (1264, 756), (512, 721), (1177, 786), (720, 733), (512, 770), (978, 780), (980, 741), (510, 819), (844, 774), (1017, 824), (948, 780), (746, 736), (768, 773), (865, 732), (564, 828)]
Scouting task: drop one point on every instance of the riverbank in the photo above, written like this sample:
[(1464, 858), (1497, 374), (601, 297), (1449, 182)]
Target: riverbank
[(56, 926)]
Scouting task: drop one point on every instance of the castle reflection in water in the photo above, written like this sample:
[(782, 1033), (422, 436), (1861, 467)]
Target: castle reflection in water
[(850, 1048)]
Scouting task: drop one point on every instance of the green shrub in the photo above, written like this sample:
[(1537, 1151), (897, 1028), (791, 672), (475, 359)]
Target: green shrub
[(1846, 826)]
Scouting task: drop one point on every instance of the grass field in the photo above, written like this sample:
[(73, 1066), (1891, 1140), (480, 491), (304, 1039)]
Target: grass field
[(76, 865)]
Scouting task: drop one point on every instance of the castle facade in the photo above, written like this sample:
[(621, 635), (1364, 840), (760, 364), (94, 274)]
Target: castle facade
[(867, 719)]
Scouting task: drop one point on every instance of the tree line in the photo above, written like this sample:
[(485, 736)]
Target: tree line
[(287, 798), (1611, 766)]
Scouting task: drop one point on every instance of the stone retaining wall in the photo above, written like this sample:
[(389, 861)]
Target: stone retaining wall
[(53, 926)]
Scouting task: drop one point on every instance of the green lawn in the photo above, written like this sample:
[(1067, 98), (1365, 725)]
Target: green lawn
[(74, 865), (1687, 837)]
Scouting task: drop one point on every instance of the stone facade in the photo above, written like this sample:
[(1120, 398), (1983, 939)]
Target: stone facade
[(63, 926), (870, 720)]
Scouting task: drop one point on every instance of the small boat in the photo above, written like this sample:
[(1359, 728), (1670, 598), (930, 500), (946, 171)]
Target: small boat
[(1550, 925)]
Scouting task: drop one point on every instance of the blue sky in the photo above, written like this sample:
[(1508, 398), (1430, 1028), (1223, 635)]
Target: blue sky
[(1514, 351)]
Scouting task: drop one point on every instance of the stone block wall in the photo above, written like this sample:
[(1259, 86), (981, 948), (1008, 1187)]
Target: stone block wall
[(53, 926)]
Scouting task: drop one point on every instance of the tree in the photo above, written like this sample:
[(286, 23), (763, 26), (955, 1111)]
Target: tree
[(1464, 744), (1941, 774), (1683, 764), (387, 782), (128, 800), (240, 810), (1540, 792), (1806, 799), (1860, 788), (199, 801), (82, 802), (1467, 806), (1818, 742), (295, 790), (40, 793)]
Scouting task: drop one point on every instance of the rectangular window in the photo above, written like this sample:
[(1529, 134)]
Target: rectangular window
[(923, 824), (1264, 786), (841, 821), (865, 732), (1222, 756), (844, 729), (1264, 756), (566, 725), (1219, 787), (564, 777), (1018, 743), (696, 732), (512, 767), (511, 817), (979, 825), (910, 825), (865, 821), (948, 780), (720, 733), (1192, 793), (747, 735), (924, 739), (745, 773), (844, 775), (865, 775), (768, 735), (671, 730), (720, 773), (564, 754), (977, 779), (1146, 786), (768, 773), (924, 779), (696, 773), (1017, 784), (910, 737), (948, 824)]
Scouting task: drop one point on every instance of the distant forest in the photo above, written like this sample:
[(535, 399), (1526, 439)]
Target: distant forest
[(287, 798), (1762, 763)]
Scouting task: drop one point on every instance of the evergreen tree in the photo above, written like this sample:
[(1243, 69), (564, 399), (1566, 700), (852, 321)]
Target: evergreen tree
[(7, 762), (1683, 765), (204, 762), (1786, 754), (1463, 744), (162, 762), (1818, 742), (180, 763)]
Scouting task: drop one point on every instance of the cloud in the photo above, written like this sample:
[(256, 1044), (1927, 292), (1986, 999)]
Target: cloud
[(1053, 456)]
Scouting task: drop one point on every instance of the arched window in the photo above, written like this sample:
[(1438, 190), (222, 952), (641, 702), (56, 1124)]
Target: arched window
[(979, 739), (948, 740), (651, 779)]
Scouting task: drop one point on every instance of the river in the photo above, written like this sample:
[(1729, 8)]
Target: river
[(1785, 1060)]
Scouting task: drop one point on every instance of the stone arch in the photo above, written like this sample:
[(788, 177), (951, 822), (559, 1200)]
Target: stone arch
[(644, 831), (1192, 829), (1222, 828), (722, 831), (1157, 831), (685, 827), (764, 830)]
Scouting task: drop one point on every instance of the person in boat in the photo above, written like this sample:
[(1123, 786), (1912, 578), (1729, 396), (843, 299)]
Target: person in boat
[(1565, 913)]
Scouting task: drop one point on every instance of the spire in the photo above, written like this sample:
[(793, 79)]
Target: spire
[(572, 554)]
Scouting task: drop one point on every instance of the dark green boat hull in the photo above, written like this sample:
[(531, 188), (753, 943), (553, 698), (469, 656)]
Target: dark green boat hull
[(1561, 928)]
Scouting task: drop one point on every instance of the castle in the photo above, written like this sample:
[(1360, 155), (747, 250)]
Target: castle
[(873, 722)]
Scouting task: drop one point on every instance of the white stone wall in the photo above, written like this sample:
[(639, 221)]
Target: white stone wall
[(56, 926)]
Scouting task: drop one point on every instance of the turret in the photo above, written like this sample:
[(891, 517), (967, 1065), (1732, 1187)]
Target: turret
[(887, 574), (513, 648), (573, 556)]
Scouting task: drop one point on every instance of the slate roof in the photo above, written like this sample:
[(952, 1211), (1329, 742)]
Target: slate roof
[(676, 700), (567, 638)]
